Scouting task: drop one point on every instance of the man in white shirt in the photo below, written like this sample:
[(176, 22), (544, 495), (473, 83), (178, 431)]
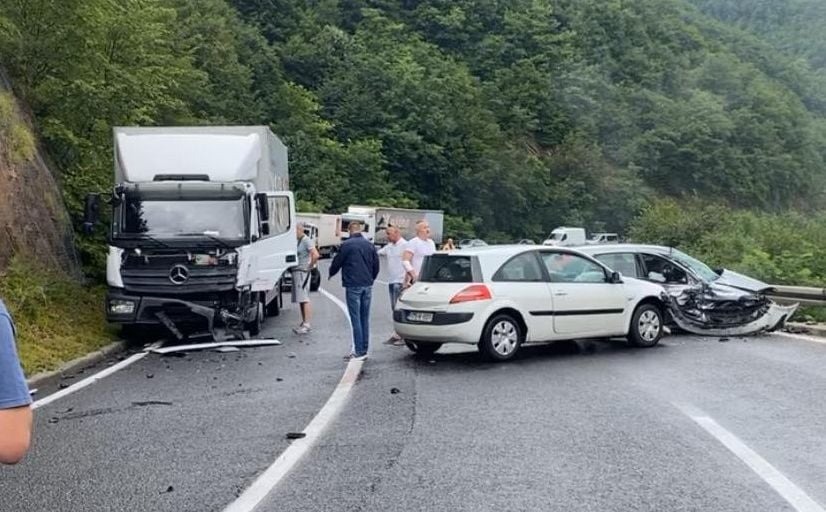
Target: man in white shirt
[(394, 250), (416, 250)]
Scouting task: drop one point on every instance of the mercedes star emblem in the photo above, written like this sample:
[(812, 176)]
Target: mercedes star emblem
[(179, 274)]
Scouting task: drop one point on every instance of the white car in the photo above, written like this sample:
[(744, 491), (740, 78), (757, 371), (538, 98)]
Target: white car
[(501, 297)]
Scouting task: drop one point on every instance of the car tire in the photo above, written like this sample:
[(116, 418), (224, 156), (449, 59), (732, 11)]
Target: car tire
[(501, 338), (254, 327), (646, 326), (424, 348), (315, 280)]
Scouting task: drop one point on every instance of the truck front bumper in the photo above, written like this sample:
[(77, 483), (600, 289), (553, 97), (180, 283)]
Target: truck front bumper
[(123, 308)]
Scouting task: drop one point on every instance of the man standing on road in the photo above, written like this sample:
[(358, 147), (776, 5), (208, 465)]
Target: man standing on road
[(394, 250), (15, 400), (359, 265), (416, 249), (301, 277)]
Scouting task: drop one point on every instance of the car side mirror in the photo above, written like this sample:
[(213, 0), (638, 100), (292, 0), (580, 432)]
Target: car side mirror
[(91, 213), (718, 271), (615, 278)]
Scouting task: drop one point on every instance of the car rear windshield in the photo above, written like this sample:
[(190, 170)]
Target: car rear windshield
[(443, 268)]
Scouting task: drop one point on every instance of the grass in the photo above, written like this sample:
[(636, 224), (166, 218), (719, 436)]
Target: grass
[(56, 318)]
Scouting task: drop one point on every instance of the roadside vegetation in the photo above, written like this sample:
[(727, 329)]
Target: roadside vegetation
[(56, 318)]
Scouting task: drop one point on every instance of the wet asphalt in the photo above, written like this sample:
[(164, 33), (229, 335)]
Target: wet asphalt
[(575, 426)]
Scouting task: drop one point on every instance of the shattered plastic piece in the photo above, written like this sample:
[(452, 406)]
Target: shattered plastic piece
[(279, 379), (296, 435), (723, 340), (291, 355), (63, 385), (395, 391), (227, 349), (33, 392), (150, 402), (53, 420), (202, 346), (150, 375), (168, 490)]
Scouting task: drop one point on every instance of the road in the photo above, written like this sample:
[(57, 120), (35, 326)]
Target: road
[(693, 424)]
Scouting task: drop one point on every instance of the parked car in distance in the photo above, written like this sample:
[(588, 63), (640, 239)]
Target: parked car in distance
[(604, 238), (473, 242), (501, 297), (526, 241)]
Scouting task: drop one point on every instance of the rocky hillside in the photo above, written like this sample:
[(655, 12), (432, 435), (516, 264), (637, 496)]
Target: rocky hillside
[(33, 220)]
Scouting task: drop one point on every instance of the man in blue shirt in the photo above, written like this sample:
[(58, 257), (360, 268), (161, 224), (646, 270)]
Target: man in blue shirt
[(15, 399), (359, 264)]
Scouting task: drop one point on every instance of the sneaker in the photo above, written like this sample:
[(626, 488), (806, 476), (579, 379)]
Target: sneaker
[(302, 329), (349, 356), (360, 358)]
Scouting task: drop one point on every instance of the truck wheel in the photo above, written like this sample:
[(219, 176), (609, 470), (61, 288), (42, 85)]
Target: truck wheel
[(315, 280), (274, 307), (254, 327)]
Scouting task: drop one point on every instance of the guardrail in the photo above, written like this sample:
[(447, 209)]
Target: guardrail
[(803, 295)]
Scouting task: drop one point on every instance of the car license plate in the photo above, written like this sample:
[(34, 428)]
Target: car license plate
[(415, 316)]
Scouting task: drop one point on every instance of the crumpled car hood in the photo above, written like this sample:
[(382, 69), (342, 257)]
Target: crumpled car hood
[(719, 309), (742, 282)]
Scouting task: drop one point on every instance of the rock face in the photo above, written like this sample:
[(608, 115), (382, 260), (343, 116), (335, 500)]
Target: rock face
[(34, 222)]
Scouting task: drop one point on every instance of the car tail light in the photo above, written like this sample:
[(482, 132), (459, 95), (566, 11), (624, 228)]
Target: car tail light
[(471, 293)]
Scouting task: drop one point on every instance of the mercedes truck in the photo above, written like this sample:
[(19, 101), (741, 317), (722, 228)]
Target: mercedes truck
[(202, 228)]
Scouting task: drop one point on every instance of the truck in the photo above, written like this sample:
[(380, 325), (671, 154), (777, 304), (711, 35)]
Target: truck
[(327, 233), (566, 237), (376, 220), (603, 238), (202, 229)]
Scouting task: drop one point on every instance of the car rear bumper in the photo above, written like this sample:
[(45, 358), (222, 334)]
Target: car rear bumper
[(445, 327)]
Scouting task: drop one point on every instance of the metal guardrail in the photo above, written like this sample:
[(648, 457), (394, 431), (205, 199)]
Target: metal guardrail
[(803, 295)]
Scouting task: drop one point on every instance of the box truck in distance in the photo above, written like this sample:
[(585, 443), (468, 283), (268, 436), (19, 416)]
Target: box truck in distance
[(202, 228), (376, 219)]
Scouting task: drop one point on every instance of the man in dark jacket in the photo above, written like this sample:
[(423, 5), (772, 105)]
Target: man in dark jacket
[(359, 264)]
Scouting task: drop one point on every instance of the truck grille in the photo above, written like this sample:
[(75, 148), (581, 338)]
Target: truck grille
[(198, 279)]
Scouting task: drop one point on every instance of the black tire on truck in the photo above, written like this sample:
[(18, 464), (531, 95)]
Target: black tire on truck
[(274, 307), (254, 327)]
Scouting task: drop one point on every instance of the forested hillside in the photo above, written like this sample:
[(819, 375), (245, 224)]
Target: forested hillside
[(514, 116)]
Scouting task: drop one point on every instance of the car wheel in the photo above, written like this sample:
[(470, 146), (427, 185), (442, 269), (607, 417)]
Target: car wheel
[(501, 338), (646, 326), (315, 280), (423, 347), (254, 327)]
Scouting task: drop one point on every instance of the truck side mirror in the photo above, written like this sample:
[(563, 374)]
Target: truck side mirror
[(91, 213), (263, 206)]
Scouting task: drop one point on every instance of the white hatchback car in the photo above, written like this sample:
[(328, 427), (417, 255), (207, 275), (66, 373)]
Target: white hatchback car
[(500, 297)]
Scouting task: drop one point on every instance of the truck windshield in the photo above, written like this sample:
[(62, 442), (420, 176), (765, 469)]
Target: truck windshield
[(166, 218)]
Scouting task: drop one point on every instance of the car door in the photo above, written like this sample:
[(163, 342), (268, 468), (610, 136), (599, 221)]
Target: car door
[(523, 281), (585, 302), (274, 251)]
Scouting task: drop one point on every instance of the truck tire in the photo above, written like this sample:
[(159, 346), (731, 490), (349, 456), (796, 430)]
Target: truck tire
[(274, 307), (255, 326), (315, 280)]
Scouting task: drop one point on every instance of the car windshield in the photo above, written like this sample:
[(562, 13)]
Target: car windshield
[(702, 270), (165, 218)]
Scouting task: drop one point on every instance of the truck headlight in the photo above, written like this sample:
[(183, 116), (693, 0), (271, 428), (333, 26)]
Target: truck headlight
[(121, 307)]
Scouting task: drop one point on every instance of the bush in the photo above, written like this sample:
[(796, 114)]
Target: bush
[(56, 318)]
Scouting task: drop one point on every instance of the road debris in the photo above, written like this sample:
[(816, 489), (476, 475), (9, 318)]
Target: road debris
[(723, 340), (150, 375), (168, 490), (395, 391), (296, 435), (177, 349), (151, 402), (53, 420), (227, 349), (291, 355)]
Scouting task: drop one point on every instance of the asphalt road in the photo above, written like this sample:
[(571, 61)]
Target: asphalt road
[(580, 426)]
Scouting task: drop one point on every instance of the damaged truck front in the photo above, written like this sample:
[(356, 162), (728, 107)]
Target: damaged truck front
[(201, 229)]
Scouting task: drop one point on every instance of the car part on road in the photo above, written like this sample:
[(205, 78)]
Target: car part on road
[(423, 347), (646, 326), (501, 338), (205, 346)]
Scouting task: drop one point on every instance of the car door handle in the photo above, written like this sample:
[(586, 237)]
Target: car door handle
[(560, 294)]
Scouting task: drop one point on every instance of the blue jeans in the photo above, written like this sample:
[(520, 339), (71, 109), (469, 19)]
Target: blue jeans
[(395, 292), (358, 305)]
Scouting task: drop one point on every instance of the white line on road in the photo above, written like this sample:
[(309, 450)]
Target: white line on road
[(264, 484), (796, 497), (800, 337), (88, 381)]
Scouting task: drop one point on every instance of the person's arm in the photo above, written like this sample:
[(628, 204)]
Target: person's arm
[(15, 411), (376, 265), (337, 261), (383, 250), (407, 263)]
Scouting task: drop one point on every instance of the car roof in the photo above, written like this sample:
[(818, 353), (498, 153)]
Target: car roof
[(614, 248), (491, 257)]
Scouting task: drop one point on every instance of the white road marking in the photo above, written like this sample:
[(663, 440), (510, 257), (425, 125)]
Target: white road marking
[(266, 482), (343, 307), (800, 337), (88, 381), (796, 497)]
